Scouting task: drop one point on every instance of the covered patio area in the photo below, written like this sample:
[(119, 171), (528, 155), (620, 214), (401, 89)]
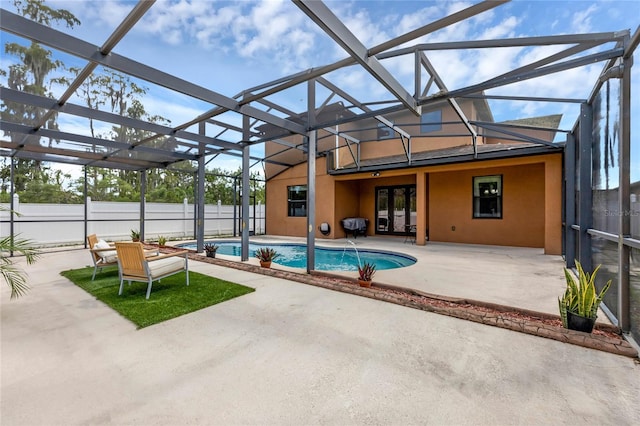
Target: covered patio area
[(296, 354)]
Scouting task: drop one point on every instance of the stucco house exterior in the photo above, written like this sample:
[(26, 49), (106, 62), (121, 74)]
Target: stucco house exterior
[(425, 177)]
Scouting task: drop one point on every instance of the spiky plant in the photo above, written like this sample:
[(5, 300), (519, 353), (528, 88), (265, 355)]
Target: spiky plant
[(581, 297), (15, 277), (366, 271), (266, 254), (211, 248)]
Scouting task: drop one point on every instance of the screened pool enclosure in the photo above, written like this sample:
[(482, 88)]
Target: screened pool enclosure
[(601, 194)]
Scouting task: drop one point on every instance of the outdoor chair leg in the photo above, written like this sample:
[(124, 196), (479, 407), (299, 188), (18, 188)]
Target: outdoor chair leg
[(121, 285), (94, 273), (186, 268), (149, 288)]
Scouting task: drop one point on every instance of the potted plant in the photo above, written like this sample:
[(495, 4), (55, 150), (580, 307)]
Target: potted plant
[(162, 241), (580, 301), (210, 249), (365, 274), (266, 255), (135, 235)]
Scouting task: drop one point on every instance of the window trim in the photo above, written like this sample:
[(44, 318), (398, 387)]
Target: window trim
[(498, 196)]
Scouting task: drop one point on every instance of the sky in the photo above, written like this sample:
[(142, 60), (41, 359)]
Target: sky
[(231, 46)]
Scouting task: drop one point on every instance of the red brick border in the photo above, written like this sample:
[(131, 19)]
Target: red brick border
[(605, 338)]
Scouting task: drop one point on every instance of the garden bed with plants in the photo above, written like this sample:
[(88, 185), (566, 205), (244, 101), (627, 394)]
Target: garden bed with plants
[(604, 337)]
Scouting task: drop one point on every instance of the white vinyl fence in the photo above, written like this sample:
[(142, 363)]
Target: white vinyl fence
[(51, 225)]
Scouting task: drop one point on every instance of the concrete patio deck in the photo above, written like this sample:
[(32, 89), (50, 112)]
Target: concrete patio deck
[(296, 354), (514, 276)]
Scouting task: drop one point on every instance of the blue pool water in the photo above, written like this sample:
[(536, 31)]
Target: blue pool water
[(327, 259)]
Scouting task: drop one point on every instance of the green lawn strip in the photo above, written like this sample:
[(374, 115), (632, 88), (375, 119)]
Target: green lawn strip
[(169, 298)]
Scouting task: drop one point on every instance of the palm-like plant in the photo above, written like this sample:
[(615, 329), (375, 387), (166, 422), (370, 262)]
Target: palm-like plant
[(266, 254), (15, 277), (367, 271)]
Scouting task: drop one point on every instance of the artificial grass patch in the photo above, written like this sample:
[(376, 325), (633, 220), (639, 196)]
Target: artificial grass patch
[(169, 298)]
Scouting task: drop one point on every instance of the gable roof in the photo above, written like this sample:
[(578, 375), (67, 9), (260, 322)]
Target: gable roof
[(544, 121)]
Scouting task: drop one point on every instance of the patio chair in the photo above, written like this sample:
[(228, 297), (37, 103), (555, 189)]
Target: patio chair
[(133, 265), (103, 254)]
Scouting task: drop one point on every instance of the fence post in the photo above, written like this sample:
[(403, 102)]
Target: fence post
[(89, 217), (16, 209), (218, 216), (185, 216), (259, 214)]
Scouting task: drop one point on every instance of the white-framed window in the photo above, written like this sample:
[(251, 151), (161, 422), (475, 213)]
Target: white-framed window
[(431, 121), (297, 201), (487, 197)]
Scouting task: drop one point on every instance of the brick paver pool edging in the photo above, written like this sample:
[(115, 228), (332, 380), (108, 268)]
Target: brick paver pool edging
[(471, 310)]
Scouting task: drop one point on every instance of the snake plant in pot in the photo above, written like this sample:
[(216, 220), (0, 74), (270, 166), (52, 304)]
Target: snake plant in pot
[(579, 304)]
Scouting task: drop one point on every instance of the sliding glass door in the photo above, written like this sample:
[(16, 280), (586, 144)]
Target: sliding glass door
[(395, 209)]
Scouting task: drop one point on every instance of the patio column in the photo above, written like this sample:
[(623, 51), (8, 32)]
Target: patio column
[(245, 195), (84, 196), (569, 200), (624, 197), (553, 205), (421, 208), (199, 207), (584, 186), (311, 176), (12, 205)]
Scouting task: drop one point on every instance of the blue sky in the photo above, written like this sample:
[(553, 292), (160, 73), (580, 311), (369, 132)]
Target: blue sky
[(230, 46)]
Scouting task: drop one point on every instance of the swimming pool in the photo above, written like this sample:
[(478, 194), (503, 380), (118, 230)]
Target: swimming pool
[(327, 259)]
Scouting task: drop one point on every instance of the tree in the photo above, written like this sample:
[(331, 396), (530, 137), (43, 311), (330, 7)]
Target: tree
[(31, 74), (123, 96)]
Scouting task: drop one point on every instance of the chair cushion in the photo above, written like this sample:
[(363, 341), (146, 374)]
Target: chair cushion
[(110, 256), (165, 266)]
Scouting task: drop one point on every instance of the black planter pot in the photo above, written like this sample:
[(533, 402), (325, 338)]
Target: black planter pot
[(211, 254), (580, 323)]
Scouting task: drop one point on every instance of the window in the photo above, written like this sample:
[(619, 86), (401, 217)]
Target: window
[(487, 197), (385, 132), (297, 200), (431, 121)]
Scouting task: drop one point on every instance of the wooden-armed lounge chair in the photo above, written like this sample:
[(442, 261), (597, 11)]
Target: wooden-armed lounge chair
[(103, 254), (134, 266)]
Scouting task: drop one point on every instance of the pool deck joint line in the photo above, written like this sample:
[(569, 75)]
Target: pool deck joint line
[(502, 316)]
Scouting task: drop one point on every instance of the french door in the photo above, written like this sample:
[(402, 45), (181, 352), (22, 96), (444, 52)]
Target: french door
[(395, 209)]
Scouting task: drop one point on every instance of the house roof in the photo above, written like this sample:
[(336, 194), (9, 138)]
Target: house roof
[(545, 121), (457, 154)]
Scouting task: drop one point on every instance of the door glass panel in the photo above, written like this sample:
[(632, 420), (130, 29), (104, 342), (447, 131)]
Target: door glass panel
[(399, 210), (413, 218), (383, 210)]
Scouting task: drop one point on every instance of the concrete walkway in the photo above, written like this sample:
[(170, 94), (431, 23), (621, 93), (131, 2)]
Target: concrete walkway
[(290, 354)]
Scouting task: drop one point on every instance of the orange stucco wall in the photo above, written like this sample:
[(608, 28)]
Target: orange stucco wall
[(531, 206), (522, 223)]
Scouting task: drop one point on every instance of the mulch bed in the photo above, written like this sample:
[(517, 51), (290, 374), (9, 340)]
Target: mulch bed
[(604, 337)]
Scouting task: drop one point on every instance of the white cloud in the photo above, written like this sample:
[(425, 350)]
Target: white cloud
[(581, 21)]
